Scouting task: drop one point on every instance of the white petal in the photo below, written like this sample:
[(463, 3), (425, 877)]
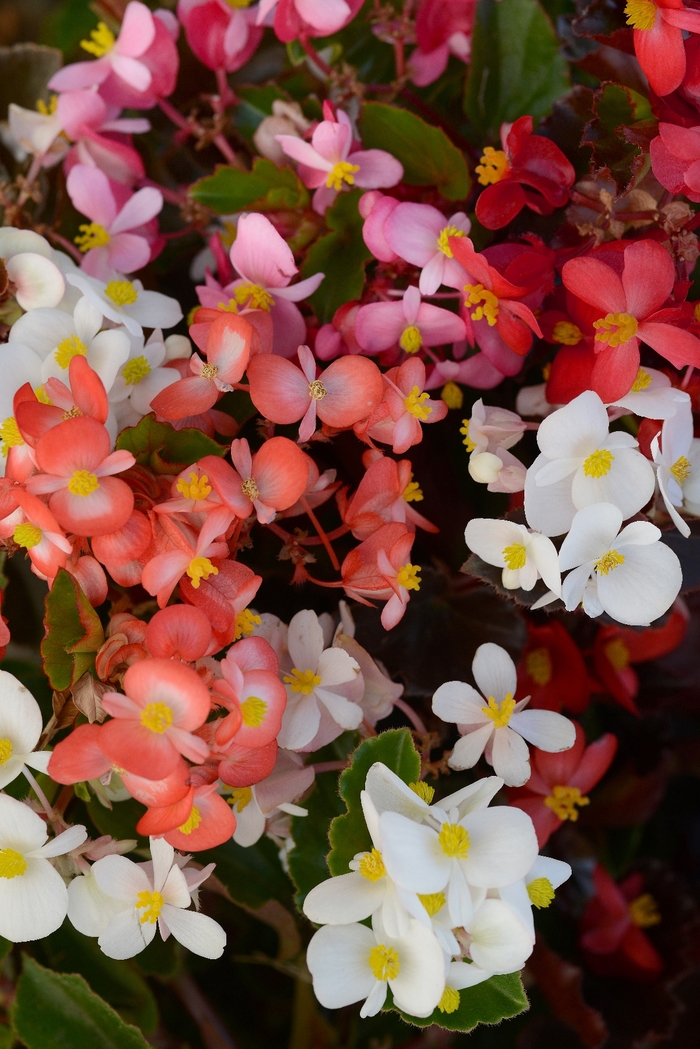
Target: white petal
[(461, 975), (593, 531), (89, 909), (549, 509), (39, 282), (197, 932), (500, 941), (388, 793), (338, 960), (20, 828), (502, 846), (120, 878), (412, 854), (488, 538), (65, 842), (344, 899), (644, 587), (458, 702), (510, 757), (300, 722), (475, 796), (544, 554), (629, 483), (20, 716), (494, 671), (545, 729), (421, 979), (470, 747), (577, 429), (162, 855), (335, 667), (33, 904), (125, 936), (305, 640)]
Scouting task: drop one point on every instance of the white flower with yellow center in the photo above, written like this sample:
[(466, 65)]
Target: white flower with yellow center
[(20, 729), (33, 895), (524, 556), (582, 463), (496, 939), (125, 302), (141, 377), (677, 457), (36, 279), (652, 396), (351, 963), (536, 889), (629, 574), (494, 724)]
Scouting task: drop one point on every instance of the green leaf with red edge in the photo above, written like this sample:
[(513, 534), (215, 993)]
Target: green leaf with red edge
[(342, 255), (163, 448), (265, 188), (73, 632), (620, 130)]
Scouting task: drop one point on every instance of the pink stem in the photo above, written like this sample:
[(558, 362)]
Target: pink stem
[(329, 766), (411, 715)]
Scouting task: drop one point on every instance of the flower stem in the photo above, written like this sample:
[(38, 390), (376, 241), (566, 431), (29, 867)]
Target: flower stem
[(314, 55), (321, 534), (45, 804), (411, 715)]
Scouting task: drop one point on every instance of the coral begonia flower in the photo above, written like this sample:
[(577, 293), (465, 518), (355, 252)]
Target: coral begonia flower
[(200, 820), (153, 723), (380, 568), (179, 632), (527, 162), (559, 784), (552, 671), (612, 928), (409, 406), (675, 159), (615, 650), (256, 699), (224, 598), (346, 392), (631, 310), (86, 396), (41, 536), (385, 494), (409, 322), (192, 557), (294, 18), (273, 478), (76, 467), (658, 39)]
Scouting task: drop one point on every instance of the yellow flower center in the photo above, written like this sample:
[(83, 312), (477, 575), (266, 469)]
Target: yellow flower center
[(209, 371), (415, 404), (515, 556), (239, 3), (72, 413), (192, 821), (467, 441), (408, 576), (615, 328), (500, 713), (304, 681), (200, 568), (538, 665), (10, 435), (443, 241), (449, 1003), (253, 711), (565, 802), (423, 790), (5, 750), (372, 865), (42, 396), (493, 166), (641, 14), (83, 483), (122, 292), (454, 840), (250, 489), (69, 348), (341, 172), (411, 339), (608, 562), (618, 653), (598, 463), (44, 109), (485, 301), (412, 492), (135, 370), (642, 380), (541, 892), (151, 903), (101, 41), (644, 911), (195, 488), (253, 297), (92, 235), (157, 717), (240, 797), (27, 535), (317, 391), (567, 333), (433, 902), (246, 623), (681, 469), (452, 395), (384, 962), (12, 864)]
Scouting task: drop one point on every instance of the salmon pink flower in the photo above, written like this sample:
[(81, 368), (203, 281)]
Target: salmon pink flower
[(179, 632), (380, 568), (225, 598), (201, 820), (273, 478), (612, 927), (41, 536), (252, 692), (419, 233), (190, 556), (154, 721), (221, 35), (409, 322), (294, 18), (408, 408), (658, 39), (77, 471), (386, 493)]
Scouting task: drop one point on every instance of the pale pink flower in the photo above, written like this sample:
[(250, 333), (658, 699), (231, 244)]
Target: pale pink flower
[(98, 134), (419, 233), (409, 322), (292, 18)]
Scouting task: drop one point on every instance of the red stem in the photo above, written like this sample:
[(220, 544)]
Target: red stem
[(314, 55), (321, 534)]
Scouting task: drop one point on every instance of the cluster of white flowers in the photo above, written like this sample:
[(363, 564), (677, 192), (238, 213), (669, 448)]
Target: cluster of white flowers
[(449, 889), (585, 483)]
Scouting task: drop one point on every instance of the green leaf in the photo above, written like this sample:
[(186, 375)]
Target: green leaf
[(342, 255), (5, 947), (488, 1003), (119, 821), (266, 187), (73, 632), (55, 1011), (255, 103), (307, 860), (164, 449), (619, 133), (428, 156), (516, 68), (348, 834)]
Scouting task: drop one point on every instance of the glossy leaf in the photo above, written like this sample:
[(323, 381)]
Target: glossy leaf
[(266, 187), (73, 632), (342, 255), (307, 860), (164, 449)]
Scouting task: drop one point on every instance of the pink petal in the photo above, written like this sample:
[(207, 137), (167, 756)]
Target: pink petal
[(595, 283), (379, 325), (137, 31), (260, 254), (303, 152), (439, 326), (412, 231), (133, 72), (648, 277), (332, 140), (80, 75), (325, 16), (80, 107), (140, 209), (278, 389), (301, 290), (127, 252), (378, 169), (90, 191)]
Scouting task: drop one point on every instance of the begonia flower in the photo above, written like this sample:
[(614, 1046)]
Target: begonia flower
[(658, 39), (443, 28), (419, 233), (612, 928), (406, 408), (141, 377), (386, 493), (178, 632), (272, 478), (221, 35), (491, 428), (294, 18), (616, 649), (677, 458), (536, 889), (652, 396), (407, 322), (188, 555), (675, 157), (524, 556), (499, 471), (36, 279), (552, 671), (257, 804), (37, 131), (125, 302), (252, 692), (20, 728), (100, 135), (41, 536)]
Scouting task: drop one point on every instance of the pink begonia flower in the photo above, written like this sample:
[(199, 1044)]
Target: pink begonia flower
[(266, 266), (364, 577), (273, 478), (375, 209), (409, 322), (221, 35), (420, 234), (338, 338), (179, 632), (92, 126), (443, 27), (675, 159), (294, 18), (398, 419), (476, 371), (192, 556), (109, 241), (329, 163)]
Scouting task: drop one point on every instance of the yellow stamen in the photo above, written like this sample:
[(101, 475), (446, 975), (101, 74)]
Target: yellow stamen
[(250, 489), (317, 391), (195, 488), (5, 750), (567, 333), (485, 301), (408, 576), (541, 892), (454, 840), (538, 665), (608, 562), (598, 463), (641, 14), (615, 328), (151, 903), (12, 863), (10, 435), (69, 348), (500, 713), (72, 413), (192, 821), (618, 653), (546, 370), (239, 3), (121, 292), (452, 395), (253, 297), (341, 172), (47, 110), (157, 717), (412, 492), (246, 623), (83, 483), (644, 911), (253, 711), (467, 441), (443, 241), (423, 790), (304, 681), (515, 556), (642, 380), (411, 339), (384, 962), (209, 371), (101, 41), (42, 396), (449, 1003), (416, 406), (372, 865), (240, 797), (681, 469), (92, 235), (135, 370), (433, 902), (563, 802), (200, 568), (493, 166), (27, 535)]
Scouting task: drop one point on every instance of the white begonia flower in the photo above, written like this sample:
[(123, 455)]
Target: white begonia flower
[(319, 679), (524, 556), (499, 470), (57, 337), (629, 574), (536, 889), (256, 804), (468, 856), (36, 132), (18, 365), (20, 729), (497, 939), (140, 377), (652, 396), (125, 302), (532, 401), (27, 256), (677, 459), (497, 725), (33, 895), (491, 428), (389, 793), (582, 463), (349, 963), (90, 910), (163, 898)]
